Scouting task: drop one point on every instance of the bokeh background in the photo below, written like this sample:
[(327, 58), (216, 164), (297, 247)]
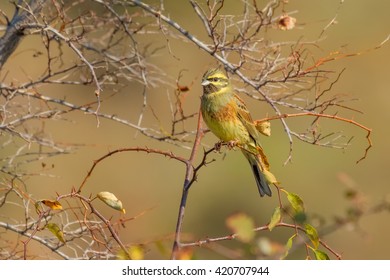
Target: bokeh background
[(153, 184)]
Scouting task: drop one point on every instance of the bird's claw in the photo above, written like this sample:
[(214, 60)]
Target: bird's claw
[(231, 144)]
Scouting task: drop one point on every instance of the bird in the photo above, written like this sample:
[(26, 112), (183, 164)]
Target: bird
[(228, 118)]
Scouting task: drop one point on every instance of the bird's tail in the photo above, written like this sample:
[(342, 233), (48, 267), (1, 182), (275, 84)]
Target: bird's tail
[(261, 181)]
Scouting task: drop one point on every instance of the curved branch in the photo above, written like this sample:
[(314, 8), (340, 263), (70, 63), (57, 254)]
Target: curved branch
[(136, 149)]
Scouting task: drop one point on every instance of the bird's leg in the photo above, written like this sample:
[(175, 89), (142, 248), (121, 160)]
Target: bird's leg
[(232, 143)]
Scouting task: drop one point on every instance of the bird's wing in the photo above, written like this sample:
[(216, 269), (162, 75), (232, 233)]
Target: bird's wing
[(246, 119)]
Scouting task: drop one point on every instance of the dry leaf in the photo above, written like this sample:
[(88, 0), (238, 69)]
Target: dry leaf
[(111, 200), (286, 22), (52, 204), (264, 128)]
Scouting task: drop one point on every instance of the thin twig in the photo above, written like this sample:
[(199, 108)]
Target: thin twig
[(335, 117), (135, 149)]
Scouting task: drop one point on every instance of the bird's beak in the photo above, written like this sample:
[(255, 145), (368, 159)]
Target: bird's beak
[(205, 83)]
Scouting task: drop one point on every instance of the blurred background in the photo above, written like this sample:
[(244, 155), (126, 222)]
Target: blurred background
[(152, 184)]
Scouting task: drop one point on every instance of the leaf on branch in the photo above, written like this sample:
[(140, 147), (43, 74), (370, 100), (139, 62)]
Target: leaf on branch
[(264, 127), (52, 204), (242, 225), (299, 209), (289, 245), (55, 229), (111, 200), (320, 255), (271, 179), (311, 232), (276, 216), (296, 202)]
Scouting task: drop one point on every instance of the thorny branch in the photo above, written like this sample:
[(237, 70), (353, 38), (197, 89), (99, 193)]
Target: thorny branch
[(102, 48), (291, 67)]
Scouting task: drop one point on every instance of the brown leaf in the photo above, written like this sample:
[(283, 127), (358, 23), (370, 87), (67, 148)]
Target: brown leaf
[(52, 204)]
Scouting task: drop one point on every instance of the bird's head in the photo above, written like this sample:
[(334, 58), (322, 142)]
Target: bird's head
[(214, 80)]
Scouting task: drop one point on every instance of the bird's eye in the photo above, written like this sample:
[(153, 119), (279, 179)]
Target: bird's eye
[(215, 79)]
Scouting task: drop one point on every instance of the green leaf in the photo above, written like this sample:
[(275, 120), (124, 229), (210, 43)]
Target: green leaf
[(38, 207), (320, 255), (296, 202), (311, 232), (269, 177), (289, 245), (242, 225), (290, 242), (276, 216), (55, 229)]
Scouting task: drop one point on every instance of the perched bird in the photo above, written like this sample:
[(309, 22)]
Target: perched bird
[(227, 116)]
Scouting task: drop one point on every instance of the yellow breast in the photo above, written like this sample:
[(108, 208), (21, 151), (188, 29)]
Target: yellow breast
[(225, 124)]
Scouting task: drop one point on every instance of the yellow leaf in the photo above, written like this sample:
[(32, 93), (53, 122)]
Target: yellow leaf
[(111, 200), (135, 252), (296, 202), (264, 127), (271, 179), (123, 255), (55, 229), (276, 216), (242, 225), (52, 204), (311, 232)]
